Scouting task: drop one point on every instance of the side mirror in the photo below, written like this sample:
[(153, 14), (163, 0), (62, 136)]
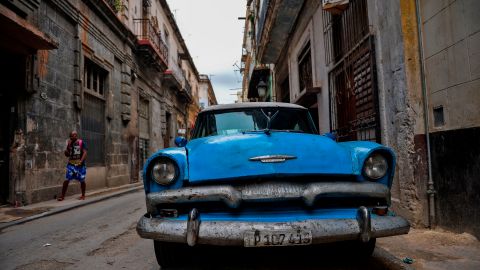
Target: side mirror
[(180, 141), (331, 135)]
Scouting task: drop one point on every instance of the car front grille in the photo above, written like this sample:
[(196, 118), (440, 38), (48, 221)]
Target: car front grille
[(270, 196), (273, 206)]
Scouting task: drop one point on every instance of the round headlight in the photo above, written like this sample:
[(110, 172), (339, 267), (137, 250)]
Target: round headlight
[(164, 171), (376, 166)]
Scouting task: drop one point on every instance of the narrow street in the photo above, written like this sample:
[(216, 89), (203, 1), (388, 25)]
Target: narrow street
[(96, 236), (102, 236)]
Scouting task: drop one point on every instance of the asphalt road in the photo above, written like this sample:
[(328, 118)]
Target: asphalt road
[(102, 236)]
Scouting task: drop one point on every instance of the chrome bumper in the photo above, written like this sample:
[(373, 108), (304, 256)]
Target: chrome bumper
[(227, 233)]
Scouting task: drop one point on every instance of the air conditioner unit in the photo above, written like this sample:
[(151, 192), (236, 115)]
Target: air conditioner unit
[(335, 6)]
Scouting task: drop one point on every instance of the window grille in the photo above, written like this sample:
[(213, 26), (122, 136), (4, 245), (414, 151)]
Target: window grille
[(93, 129), (352, 76), (94, 77), (305, 68)]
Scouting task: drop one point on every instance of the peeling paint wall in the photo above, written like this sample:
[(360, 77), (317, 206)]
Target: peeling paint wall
[(49, 112), (451, 39), (400, 103), (56, 108)]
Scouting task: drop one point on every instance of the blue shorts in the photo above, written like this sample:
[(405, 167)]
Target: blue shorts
[(76, 172)]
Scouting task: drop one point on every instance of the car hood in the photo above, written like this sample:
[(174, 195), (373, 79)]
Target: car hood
[(228, 157)]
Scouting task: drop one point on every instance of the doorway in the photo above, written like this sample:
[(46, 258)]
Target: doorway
[(12, 76)]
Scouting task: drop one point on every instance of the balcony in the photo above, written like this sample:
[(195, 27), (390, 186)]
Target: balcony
[(276, 20), (174, 78), (150, 44)]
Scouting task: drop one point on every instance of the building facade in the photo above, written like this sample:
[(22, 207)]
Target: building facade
[(205, 93), (115, 71), (384, 71)]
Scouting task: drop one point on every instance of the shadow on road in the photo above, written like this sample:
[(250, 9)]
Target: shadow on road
[(331, 256)]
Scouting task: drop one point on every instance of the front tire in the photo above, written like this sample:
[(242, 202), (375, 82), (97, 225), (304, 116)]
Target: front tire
[(364, 250), (168, 254)]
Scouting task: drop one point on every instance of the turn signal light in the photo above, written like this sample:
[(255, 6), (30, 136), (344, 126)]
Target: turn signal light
[(168, 213), (380, 210)]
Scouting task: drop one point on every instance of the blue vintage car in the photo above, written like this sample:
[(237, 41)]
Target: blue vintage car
[(259, 175)]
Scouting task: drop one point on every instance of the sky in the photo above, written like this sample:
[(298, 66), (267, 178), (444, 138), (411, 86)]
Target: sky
[(214, 35)]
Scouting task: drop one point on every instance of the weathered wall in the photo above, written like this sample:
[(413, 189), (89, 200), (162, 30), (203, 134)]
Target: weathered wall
[(309, 27), (149, 85), (321, 72), (400, 106), (451, 38), (49, 112), (88, 29)]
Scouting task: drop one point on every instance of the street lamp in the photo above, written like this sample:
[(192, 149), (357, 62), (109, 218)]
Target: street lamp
[(262, 89)]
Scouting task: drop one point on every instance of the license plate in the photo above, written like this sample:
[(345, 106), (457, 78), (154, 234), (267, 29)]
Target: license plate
[(277, 238)]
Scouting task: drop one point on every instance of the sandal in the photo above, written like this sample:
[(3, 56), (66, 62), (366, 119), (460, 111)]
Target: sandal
[(60, 199), (81, 198)]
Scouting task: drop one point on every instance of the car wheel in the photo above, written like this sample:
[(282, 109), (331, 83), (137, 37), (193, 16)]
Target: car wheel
[(168, 254)]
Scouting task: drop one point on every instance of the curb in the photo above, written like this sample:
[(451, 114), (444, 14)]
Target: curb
[(385, 260), (70, 207)]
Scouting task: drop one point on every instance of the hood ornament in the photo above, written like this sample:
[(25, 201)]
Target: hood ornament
[(272, 158)]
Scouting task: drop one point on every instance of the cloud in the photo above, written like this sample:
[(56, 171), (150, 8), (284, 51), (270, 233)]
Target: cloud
[(223, 82), (214, 36)]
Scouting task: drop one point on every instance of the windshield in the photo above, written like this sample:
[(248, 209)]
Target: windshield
[(255, 119)]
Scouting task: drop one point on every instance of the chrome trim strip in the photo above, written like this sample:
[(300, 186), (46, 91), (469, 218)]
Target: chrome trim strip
[(272, 191), (272, 158), (228, 233)]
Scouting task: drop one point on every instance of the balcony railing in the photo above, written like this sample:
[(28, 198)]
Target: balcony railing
[(149, 36), (174, 76), (177, 73)]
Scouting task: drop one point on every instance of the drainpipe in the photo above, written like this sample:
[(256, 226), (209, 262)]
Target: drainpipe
[(430, 185), (272, 85)]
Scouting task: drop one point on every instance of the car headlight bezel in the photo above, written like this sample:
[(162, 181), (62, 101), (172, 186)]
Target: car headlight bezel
[(164, 171), (375, 166)]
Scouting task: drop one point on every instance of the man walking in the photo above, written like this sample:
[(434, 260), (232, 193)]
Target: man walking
[(76, 169)]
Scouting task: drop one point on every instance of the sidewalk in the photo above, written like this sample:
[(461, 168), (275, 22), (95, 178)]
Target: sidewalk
[(435, 249), (10, 216)]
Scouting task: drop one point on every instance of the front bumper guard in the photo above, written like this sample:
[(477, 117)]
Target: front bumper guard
[(228, 233)]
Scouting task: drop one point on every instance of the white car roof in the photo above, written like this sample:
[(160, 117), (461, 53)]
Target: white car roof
[(245, 105)]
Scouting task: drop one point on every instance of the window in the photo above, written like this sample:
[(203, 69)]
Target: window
[(167, 35), (144, 127), (93, 113), (93, 128), (94, 77), (438, 116), (305, 68), (143, 149)]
